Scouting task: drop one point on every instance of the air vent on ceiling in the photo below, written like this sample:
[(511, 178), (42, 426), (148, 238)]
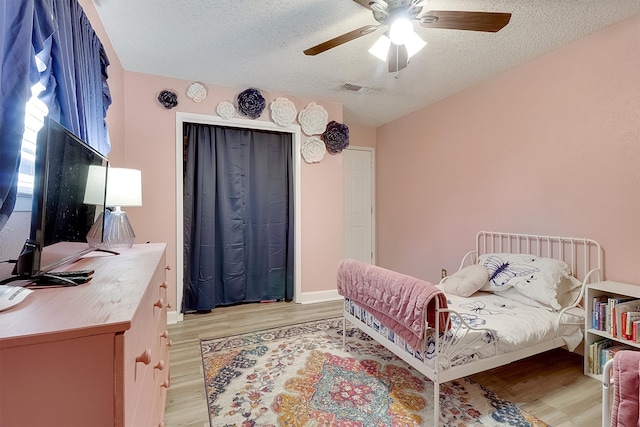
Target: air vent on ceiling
[(352, 87)]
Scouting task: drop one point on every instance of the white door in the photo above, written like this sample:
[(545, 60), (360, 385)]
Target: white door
[(359, 237)]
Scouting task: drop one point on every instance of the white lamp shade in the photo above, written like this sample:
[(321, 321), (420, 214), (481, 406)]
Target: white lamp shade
[(94, 192), (124, 187)]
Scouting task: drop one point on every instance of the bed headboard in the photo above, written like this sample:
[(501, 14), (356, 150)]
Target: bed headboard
[(583, 256)]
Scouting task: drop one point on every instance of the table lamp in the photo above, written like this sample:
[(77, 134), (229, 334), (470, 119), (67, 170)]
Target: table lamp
[(124, 188)]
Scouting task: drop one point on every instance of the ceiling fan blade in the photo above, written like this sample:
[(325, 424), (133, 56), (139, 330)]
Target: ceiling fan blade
[(397, 57), (472, 21), (363, 3), (347, 37)]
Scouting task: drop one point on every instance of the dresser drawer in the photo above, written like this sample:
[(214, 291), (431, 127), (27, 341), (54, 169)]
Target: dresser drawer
[(145, 361)]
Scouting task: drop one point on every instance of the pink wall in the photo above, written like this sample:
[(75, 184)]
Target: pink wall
[(362, 136), (550, 147)]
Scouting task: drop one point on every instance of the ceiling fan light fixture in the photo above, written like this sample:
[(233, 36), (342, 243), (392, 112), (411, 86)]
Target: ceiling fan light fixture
[(401, 29), (381, 47), (414, 43)]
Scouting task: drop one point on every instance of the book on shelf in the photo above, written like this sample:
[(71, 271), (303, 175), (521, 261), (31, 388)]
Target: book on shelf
[(628, 318), (595, 352), (608, 353), (601, 351), (622, 310), (635, 337), (599, 312), (615, 307)]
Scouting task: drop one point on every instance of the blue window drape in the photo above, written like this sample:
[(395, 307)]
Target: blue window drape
[(50, 41), (238, 216)]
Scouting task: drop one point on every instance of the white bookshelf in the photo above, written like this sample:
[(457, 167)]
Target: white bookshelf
[(610, 289)]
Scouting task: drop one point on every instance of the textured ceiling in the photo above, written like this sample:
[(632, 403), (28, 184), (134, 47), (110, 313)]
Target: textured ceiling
[(252, 43)]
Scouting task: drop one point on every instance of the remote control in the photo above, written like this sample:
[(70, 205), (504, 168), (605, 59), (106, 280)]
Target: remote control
[(54, 280), (75, 273), (50, 280)]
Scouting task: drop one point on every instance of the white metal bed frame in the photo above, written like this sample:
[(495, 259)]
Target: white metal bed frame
[(584, 258)]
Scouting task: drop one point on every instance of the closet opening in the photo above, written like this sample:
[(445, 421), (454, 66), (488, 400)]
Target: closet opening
[(238, 211)]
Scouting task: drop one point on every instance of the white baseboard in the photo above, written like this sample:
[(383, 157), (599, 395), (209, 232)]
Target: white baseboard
[(319, 296), (174, 317)]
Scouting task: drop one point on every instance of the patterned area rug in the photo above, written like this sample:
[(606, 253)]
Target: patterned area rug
[(299, 376)]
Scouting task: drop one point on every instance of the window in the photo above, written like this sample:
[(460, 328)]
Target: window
[(34, 116)]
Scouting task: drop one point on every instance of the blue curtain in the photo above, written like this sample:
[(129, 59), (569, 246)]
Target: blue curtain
[(77, 92), (238, 216), (50, 41)]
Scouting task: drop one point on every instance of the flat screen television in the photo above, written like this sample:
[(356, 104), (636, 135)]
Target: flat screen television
[(68, 200)]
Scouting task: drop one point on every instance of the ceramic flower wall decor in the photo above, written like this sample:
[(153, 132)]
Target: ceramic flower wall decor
[(197, 92), (283, 111), (168, 99), (226, 110), (313, 150), (251, 103), (336, 136), (313, 119)]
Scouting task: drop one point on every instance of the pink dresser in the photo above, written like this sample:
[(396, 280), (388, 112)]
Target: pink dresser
[(92, 355)]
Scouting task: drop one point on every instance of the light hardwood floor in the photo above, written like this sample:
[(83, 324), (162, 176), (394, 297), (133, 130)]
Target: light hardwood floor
[(550, 386)]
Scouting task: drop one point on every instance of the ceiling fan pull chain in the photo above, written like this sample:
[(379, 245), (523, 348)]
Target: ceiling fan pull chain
[(397, 76), (397, 62)]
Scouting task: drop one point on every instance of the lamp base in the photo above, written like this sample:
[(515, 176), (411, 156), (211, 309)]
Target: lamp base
[(94, 236), (118, 232)]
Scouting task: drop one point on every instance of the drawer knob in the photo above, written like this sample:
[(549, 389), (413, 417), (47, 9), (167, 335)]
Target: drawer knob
[(165, 334), (165, 384), (159, 303), (163, 285), (145, 357), (167, 267), (160, 365)]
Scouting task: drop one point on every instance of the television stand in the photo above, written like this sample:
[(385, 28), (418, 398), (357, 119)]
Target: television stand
[(102, 349)]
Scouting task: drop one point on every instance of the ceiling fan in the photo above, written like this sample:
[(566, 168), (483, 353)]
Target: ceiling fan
[(400, 42)]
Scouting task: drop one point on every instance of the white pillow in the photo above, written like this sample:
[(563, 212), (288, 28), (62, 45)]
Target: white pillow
[(466, 281), (534, 277), (568, 290)]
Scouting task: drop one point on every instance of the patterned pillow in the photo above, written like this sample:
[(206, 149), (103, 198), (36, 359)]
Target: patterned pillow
[(535, 277)]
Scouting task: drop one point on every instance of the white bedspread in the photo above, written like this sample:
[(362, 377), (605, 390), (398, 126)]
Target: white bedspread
[(512, 325)]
